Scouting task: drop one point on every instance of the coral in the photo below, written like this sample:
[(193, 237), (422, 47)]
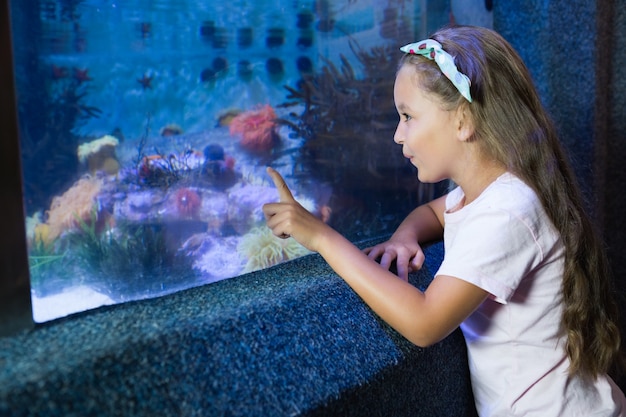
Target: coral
[(220, 259), (171, 129), (262, 249), (257, 129), (87, 149), (32, 223), (187, 202), (100, 155), (41, 235), (218, 169), (77, 203), (164, 170)]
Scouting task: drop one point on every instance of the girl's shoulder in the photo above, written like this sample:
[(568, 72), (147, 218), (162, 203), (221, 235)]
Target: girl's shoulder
[(511, 191), (512, 196), (507, 192)]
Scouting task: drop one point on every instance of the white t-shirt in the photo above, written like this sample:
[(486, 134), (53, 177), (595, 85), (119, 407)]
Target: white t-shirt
[(504, 243)]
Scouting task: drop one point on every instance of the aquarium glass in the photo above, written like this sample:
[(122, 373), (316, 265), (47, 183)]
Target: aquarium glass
[(146, 127)]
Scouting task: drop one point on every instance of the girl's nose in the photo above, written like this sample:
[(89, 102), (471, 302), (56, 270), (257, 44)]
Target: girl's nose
[(397, 136)]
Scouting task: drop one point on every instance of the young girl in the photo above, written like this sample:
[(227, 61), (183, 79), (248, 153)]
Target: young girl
[(523, 273)]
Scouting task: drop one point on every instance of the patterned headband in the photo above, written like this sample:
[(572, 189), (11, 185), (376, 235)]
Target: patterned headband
[(432, 49)]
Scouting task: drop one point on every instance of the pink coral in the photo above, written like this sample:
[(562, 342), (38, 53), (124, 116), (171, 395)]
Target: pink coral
[(257, 129), (187, 202)]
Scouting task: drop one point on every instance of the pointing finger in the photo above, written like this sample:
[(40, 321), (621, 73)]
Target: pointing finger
[(283, 191)]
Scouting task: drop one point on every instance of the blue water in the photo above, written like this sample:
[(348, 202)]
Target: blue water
[(86, 69), (119, 42)]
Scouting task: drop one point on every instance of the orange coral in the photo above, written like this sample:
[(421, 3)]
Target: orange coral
[(77, 202), (257, 129)]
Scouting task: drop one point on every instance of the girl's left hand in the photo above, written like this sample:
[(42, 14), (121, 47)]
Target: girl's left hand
[(288, 218)]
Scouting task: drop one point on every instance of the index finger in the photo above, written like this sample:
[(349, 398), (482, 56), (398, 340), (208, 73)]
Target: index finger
[(283, 190)]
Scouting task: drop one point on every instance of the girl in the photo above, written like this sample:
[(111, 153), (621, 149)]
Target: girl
[(523, 273)]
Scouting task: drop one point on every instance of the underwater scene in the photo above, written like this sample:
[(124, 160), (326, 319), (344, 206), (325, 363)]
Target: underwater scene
[(146, 127)]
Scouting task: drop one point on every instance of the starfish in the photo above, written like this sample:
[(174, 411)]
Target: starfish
[(58, 72), (146, 81), (146, 29), (81, 75)]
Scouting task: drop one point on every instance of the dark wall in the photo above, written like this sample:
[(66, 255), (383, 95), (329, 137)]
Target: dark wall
[(15, 307), (576, 52), (556, 39), (612, 160), (612, 141)]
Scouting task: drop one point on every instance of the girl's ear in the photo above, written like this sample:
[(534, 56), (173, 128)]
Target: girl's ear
[(464, 123)]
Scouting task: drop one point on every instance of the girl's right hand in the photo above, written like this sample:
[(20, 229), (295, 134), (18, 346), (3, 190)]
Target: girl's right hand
[(406, 252), (288, 219)]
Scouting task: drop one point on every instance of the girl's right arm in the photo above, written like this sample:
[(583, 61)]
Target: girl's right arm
[(424, 224), (423, 318)]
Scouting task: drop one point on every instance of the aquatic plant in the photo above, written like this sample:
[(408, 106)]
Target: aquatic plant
[(348, 122), (335, 99), (131, 259), (153, 170), (46, 260), (262, 249), (38, 261), (161, 170), (50, 110), (49, 272)]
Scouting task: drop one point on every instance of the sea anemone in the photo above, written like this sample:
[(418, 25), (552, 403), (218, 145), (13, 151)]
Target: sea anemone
[(187, 202), (263, 249), (257, 129), (100, 155)]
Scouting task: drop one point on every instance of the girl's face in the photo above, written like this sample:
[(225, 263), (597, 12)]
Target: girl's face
[(428, 134)]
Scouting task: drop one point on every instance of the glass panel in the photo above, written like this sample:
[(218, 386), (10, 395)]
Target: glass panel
[(146, 127)]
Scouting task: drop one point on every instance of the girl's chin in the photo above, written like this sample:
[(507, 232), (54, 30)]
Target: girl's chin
[(422, 176), (427, 179)]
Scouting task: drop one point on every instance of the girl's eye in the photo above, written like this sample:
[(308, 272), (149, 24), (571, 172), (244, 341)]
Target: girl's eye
[(406, 117)]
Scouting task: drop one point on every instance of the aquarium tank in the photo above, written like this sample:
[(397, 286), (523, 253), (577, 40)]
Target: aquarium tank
[(146, 125)]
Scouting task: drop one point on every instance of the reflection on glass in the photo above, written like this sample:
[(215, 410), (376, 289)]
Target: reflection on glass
[(146, 126)]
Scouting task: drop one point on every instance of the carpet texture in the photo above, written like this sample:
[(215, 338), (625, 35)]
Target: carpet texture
[(288, 341)]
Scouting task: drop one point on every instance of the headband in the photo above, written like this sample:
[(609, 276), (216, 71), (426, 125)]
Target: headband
[(433, 50)]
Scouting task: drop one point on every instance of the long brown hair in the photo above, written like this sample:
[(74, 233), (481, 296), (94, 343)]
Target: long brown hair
[(513, 128)]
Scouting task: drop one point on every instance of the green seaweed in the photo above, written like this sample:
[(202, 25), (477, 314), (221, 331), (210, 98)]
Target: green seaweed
[(45, 266), (48, 268), (130, 259)]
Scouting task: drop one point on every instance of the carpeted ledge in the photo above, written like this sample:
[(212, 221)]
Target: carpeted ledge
[(291, 340)]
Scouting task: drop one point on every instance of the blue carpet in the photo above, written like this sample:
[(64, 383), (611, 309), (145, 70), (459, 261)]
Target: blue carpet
[(290, 340)]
